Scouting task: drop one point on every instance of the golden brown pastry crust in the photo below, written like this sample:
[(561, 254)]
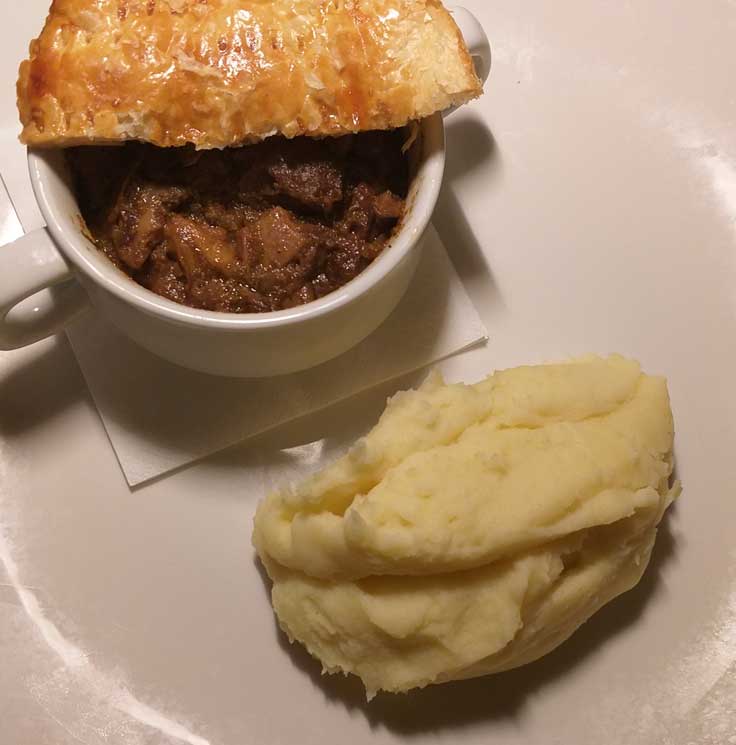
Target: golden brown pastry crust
[(223, 72)]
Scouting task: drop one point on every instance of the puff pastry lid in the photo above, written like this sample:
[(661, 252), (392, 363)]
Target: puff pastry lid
[(217, 73)]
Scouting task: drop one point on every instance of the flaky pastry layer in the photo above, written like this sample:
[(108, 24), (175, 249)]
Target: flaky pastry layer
[(217, 73)]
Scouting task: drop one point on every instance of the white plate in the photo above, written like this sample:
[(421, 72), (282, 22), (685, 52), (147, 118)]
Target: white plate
[(590, 206)]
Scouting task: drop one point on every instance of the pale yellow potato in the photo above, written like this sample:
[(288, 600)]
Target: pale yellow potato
[(476, 527)]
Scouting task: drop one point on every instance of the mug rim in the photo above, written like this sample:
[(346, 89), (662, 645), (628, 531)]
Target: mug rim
[(75, 247)]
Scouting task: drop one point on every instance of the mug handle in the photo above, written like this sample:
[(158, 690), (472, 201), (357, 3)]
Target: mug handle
[(477, 42), (28, 266)]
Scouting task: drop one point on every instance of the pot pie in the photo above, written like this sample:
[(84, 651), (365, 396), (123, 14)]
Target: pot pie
[(236, 155)]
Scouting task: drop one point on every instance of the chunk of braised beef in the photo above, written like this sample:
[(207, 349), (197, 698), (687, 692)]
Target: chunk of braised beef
[(282, 237), (164, 276), (359, 213), (346, 261), (141, 216), (199, 246), (314, 184), (278, 282), (231, 216), (388, 206), (369, 215)]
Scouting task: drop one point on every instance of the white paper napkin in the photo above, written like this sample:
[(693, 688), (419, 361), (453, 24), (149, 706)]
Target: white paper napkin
[(160, 417)]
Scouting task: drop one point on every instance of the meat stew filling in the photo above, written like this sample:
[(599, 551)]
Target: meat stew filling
[(259, 228)]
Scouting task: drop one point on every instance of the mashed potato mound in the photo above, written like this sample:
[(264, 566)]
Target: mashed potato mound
[(475, 527)]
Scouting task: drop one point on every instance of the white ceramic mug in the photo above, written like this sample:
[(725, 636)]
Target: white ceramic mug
[(237, 345)]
